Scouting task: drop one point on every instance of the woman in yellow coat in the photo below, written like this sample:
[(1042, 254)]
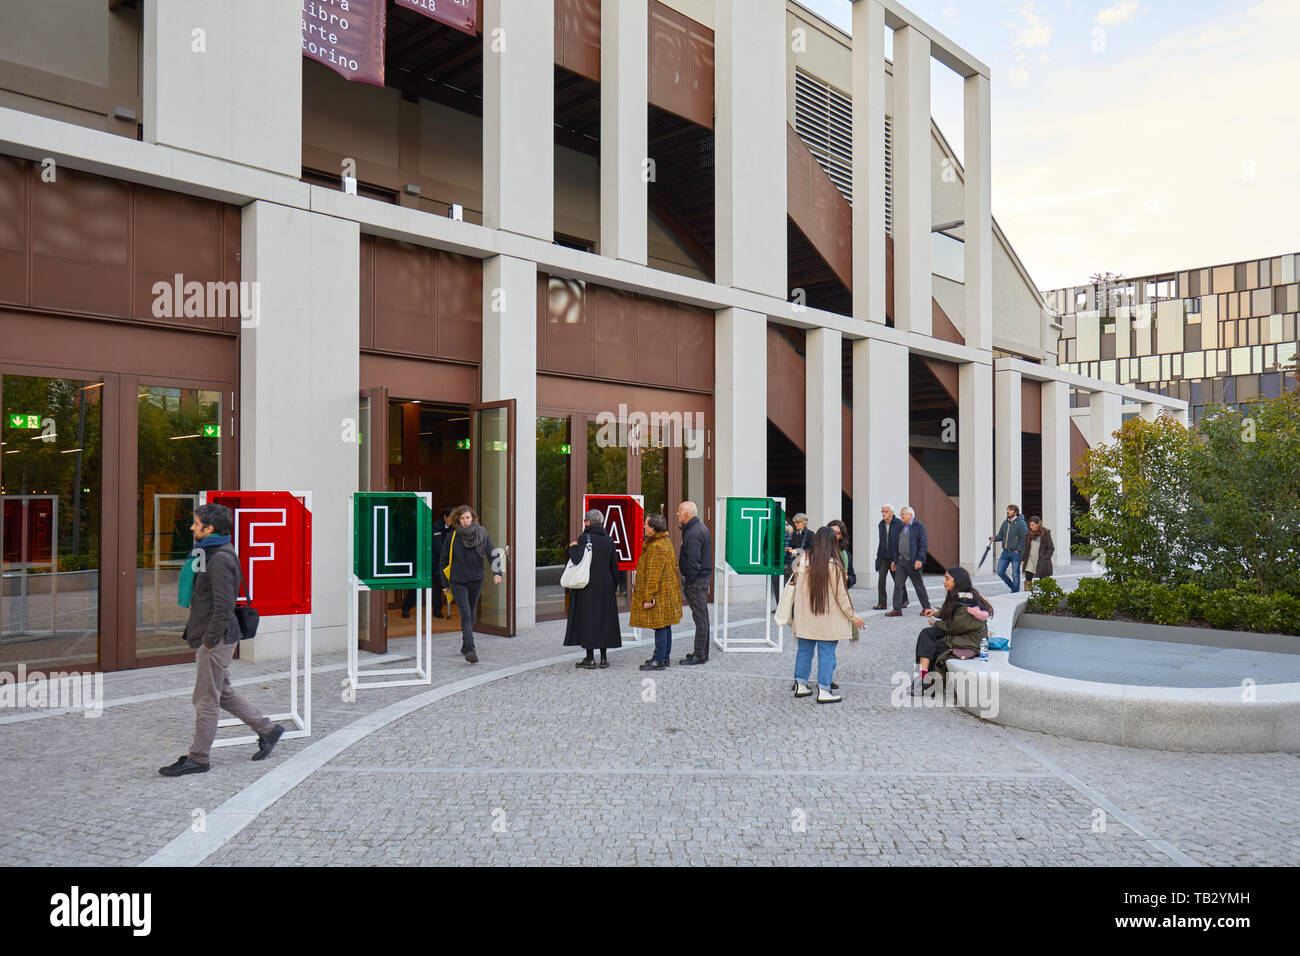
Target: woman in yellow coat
[(657, 593)]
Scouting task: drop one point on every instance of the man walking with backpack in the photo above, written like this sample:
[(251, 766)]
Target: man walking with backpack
[(213, 631)]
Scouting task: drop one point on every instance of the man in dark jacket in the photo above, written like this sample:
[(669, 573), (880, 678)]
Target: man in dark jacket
[(213, 631), (888, 528), (907, 563), (1012, 535), (593, 610), (695, 560)]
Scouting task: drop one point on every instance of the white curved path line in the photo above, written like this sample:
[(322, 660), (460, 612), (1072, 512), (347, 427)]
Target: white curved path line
[(225, 822)]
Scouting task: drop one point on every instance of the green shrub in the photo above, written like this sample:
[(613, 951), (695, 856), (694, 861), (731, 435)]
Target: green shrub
[(1287, 607), (1044, 596), (1167, 605), (1095, 598), (1193, 601)]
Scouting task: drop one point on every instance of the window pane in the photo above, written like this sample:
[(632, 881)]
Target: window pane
[(553, 458)]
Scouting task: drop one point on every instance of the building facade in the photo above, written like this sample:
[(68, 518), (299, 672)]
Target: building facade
[(683, 250), (1216, 335)]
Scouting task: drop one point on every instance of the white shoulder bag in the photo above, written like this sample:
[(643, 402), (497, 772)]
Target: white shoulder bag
[(576, 576), (784, 614)]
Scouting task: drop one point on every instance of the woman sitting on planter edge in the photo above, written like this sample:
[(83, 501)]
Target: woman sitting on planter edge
[(823, 615), (959, 624)]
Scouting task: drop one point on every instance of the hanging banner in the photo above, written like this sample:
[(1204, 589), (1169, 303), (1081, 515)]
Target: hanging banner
[(272, 536), (392, 534), (624, 518), (755, 536), (347, 36), (461, 14)]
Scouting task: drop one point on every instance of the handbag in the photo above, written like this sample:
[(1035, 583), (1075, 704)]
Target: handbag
[(784, 614), (245, 614), (446, 572), (576, 576)]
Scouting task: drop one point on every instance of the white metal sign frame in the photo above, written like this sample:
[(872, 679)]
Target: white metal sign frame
[(726, 642)]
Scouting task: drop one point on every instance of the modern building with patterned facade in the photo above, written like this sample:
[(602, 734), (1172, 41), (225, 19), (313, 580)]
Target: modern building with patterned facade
[(726, 213), (1221, 334)]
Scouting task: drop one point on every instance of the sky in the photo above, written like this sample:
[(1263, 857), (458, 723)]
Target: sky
[(1130, 136)]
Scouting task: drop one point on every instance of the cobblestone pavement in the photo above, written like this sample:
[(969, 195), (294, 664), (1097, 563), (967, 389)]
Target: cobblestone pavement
[(715, 765)]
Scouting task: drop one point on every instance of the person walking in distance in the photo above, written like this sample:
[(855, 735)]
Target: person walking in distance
[(657, 591), (1038, 551), (908, 562), (1012, 536), (463, 554), (695, 559), (213, 631), (887, 529)]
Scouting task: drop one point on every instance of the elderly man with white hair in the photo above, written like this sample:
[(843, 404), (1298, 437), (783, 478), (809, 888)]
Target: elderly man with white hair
[(908, 561), (695, 561), (886, 551)]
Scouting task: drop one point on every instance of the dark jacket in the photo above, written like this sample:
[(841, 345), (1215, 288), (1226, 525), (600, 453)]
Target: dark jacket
[(920, 544), (466, 563), (1012, 534), (887, 549), (593, 610), (212, 608), (963, 630), (800, 541), (441, 532), (1045, 551), (846, 558), (695, 557)]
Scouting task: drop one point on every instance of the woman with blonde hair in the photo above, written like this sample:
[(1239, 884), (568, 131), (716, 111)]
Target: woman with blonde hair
[(823, 615)]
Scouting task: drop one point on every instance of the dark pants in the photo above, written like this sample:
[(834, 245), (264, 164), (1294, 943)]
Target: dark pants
[(907, 571), (436, 601), (930, 643), (466, 598), (697, 595), (663, 644), (882, 575)]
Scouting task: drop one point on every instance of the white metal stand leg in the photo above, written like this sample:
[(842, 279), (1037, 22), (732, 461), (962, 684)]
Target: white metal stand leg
[(301, 720)]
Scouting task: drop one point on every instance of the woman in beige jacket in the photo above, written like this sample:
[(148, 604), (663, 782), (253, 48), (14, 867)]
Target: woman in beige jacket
[(823, 615)]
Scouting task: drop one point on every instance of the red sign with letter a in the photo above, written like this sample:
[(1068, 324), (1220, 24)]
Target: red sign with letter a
[(624, 518), (272, 535)]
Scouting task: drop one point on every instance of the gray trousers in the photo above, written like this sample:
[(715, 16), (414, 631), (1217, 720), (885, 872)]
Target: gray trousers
[(906, 570), (697, 595), (212, 694)]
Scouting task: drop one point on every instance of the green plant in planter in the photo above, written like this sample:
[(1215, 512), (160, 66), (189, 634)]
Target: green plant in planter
[(1044, 596), (1287, 608), (1166, 605), (1095, 598)]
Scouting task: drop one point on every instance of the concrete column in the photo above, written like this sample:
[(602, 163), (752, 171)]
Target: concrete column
[(881, 460), (510, 371), (1007, 467), (869, 162), (1149, 411), (298, 384), (1104, 417), (519, 117), (225, 80), (1180, 415), (912, 161), (975, 460), (978, 232), (1056, 468), (740, 421), (624, 82), (824, 454), (749, 157)]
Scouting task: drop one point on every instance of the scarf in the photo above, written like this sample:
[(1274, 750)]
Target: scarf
[(1035, 535), (185, 583), (473, 537)]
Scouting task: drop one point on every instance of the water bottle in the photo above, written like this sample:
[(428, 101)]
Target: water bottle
[(984, 648)]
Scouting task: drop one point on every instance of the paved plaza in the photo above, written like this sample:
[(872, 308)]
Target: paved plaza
[(524, 760)]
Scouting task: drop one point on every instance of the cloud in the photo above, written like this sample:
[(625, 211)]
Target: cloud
[(1121, 12), (1031, 30), (1153, 162)]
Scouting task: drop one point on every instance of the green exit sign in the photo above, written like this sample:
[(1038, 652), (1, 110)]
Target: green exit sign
[(24, 421), (462, 444), (564, 449), (211, 431)]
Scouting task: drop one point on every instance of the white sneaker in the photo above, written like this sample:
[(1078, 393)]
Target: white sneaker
[(827, 696), (802, 690)]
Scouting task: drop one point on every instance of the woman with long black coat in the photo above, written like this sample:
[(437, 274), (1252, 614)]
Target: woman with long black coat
[(593, 610)]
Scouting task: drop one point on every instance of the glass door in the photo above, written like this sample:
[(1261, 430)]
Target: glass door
[(492, 472), (372, 475)]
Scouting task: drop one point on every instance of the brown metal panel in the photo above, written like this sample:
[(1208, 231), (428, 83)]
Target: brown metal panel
[(942, 326), (656, 341), (577, 36), (669, 60), (460, 307), (798, 189), (404, 298), (694, 348), (175, 235), (786, 388), (1031, 406), (701, 43), (542, 281), (846, 449), (946, 373), (422, 379), (613, 314), (231, 229), (81, 238), (568, 327), (818, 209), (1078, 445), (935, 510), (367, 283), (14, 232)]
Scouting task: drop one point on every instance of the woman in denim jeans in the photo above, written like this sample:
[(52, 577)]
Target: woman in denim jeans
[(823, 615)]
